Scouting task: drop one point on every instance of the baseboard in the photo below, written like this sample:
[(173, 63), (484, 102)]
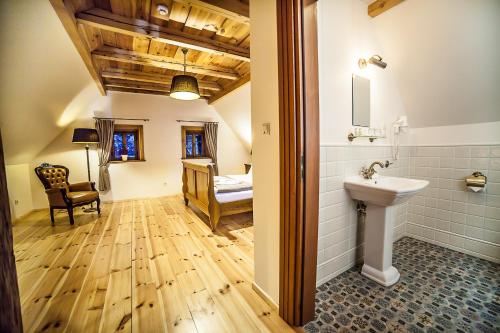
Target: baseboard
[(454, 248), (23, 216), (28, 213), (140, 198), (265, 297)]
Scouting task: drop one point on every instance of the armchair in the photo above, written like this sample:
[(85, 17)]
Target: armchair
[(63, 195)]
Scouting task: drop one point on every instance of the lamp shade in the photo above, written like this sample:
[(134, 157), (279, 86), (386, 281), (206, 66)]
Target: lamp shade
[(85, 135), (184, 87)]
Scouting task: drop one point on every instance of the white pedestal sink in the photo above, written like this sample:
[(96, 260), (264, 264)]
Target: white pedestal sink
[(380, 195)]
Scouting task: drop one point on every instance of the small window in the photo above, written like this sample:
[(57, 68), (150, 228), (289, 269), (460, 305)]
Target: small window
[(193, 142), (127, 140)]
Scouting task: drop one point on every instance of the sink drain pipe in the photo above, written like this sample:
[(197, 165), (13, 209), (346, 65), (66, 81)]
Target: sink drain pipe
[(361, 209)]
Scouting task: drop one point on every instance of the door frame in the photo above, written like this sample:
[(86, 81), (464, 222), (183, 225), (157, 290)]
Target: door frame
[(299, 158), (10, 305)]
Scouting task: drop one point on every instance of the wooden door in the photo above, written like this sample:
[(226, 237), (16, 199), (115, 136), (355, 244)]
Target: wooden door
[(10, 307), (299, 158)]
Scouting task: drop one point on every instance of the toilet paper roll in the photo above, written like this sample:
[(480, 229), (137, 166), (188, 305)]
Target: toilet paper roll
[(475, 188)]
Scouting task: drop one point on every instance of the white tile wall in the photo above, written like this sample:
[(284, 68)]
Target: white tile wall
[(340, 234), (446, 213)]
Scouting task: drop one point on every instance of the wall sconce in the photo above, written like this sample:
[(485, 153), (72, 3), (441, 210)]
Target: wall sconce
[(374, 60)]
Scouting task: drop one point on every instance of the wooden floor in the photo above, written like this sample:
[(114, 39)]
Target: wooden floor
[(143, 266)]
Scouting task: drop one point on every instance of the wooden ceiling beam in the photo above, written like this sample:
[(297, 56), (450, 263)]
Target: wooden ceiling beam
[(379, 6), (136, 91), (147, 88), (152, 86), (232, 9), (136, 76), (66, 14), (139, 28), (229, 88), (131, 57)]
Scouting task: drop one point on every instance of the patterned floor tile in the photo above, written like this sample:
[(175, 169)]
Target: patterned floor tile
[(440, 290)]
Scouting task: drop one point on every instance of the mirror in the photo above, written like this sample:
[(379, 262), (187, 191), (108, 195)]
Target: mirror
[(360, 101)]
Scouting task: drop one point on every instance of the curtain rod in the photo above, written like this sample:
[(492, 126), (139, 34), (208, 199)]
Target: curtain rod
[(111, 118), (196, 121)]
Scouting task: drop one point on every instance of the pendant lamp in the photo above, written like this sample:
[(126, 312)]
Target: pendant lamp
[(184, 86)]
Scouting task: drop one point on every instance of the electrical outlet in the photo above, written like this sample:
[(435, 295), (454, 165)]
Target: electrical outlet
[(16, 202)]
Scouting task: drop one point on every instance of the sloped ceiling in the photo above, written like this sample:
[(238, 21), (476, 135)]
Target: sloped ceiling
[(445, 57), (44, 81), (235, 109)]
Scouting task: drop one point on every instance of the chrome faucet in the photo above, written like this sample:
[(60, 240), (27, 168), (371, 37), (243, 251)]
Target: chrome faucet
[(368, 173)]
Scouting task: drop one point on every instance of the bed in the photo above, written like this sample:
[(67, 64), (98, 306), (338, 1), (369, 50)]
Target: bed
[(216, 196)]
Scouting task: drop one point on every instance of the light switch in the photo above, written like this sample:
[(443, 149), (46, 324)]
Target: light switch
[(266, 128)]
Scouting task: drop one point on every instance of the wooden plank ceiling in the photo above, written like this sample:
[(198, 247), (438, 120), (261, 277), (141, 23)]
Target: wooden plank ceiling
[(127, 45)]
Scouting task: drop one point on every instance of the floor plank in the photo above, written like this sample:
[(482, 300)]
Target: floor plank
[(60, 306), (149, 265)]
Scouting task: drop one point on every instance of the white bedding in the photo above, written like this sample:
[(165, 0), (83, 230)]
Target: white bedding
[(235, 196), (244, 178)]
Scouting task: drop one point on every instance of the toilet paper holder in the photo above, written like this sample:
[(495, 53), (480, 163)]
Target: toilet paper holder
[(477, 179)]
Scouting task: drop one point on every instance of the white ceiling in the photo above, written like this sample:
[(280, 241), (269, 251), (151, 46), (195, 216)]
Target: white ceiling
[(445, 58), (42, 77)]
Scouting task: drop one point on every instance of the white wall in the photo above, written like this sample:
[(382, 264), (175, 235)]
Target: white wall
[(430, 77), (161, 173), (265, 158), (345, 34), (445, 58), (42, 76), (18, 185), (479, 133), (453, 111), (235, 108)]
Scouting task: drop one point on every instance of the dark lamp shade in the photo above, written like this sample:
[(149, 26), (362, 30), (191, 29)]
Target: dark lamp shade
[(85, 135), (184, 87)]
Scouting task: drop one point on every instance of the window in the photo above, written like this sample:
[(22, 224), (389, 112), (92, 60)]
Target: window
[(127, 140), (193, 142)]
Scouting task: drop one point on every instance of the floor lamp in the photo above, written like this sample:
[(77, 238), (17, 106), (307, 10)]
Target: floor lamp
[(86, 136)]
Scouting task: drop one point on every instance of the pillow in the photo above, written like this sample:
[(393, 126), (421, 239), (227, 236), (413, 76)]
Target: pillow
[(250, 171)]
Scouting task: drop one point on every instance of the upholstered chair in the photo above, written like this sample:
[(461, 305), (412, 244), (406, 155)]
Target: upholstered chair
[(62, 194)]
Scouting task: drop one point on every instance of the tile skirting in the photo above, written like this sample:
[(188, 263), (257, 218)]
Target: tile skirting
[(455, 248)]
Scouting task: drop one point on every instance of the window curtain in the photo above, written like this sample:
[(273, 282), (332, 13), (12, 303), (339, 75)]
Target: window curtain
[(105, 129), (211, 143)]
